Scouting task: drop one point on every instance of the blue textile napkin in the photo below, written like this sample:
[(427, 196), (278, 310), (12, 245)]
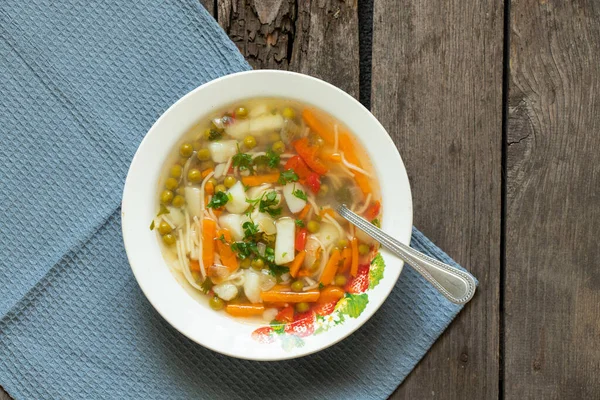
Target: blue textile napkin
[(80, 84)]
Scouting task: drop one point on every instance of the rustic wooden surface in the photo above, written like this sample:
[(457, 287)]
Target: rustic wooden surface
[(436, 82), (552, 348), (437, 88)]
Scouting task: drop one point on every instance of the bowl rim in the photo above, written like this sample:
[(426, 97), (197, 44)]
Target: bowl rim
[(129, 191)]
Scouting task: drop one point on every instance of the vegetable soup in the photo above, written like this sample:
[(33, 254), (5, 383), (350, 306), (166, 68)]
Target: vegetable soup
[(246, 209)]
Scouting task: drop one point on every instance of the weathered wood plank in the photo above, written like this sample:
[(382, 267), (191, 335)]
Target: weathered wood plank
[(437, 88), (552, 346), (209, 5), (319, 38)]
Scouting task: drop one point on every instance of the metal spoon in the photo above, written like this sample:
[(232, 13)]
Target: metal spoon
[(456, 285)]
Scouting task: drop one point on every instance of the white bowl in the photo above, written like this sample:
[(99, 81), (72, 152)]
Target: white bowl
[(216, 330)]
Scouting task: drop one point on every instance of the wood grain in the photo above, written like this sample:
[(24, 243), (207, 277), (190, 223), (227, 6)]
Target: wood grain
[(553, 208), (210, 7), (319, 38), (437, 88)]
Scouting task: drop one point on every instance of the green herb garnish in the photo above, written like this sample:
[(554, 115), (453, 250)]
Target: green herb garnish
[(214, 135), (152, 225), (300, 223), (321, 286), (250, 230), (218, 200), (287, 176), (376, 222), (299, 194), (273, 158), (242, 160), (162, 210), (221, 238), (267, 204), (206, 285)]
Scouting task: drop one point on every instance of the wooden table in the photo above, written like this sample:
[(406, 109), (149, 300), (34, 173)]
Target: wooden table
[(495, 110)]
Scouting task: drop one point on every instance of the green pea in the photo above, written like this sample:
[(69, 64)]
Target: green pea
[(278, 147), (229, 181), (297, 286), (363, 249), (169, 239), (176, 171), (342, 243), (250, 142), (212, 181), (274, 137), (203, 154), (340, 280), (220, 188), (302, 307), (166, 196), (186, 150), (216, 303), (241, 112), (206, 164), (164, 228), (178, 201), (258, 264), (245, 263), (289, 113), (313, 226), (171, 183), (323, 190), (194, 175)]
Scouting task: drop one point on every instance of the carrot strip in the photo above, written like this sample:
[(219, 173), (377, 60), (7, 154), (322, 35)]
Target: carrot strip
[(255, 180), (347, 257), (354, 265), (297, 263), (206, 172), (194, 266), (327, 211), (309, 296), (318, 126), (330, 268), (278, 305), (228, 257), (209, 188), (348, 148), (245, 310), (331, 293), (304, 211), (209, 228)]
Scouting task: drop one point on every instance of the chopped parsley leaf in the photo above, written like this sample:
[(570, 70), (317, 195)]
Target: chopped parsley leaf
[(287, 176), (214, 135), (273, 159), (218, 200), (206, 285), (299, 194), (300, 223), (376, 222), (242, 160), (221, 238), (321, 286), (267, 204), (152, 225), (250, 230), (163, 210)]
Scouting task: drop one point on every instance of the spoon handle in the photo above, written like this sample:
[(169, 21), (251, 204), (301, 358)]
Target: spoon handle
[(456, 285)]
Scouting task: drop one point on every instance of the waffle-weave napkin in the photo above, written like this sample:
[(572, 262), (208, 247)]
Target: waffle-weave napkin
[(81, 82)]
